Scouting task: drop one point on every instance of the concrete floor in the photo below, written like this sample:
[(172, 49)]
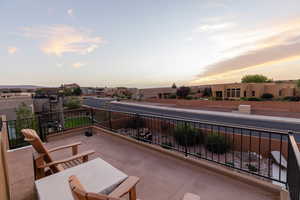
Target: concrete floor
[(162, 177)]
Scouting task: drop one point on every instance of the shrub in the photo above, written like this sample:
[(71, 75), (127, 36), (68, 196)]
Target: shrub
[(243, 98), (253, 99), (185, 134), (217, 144), (291, 98), (267, 96), (256, 78), (183, 92), (189, 97), (252, 168), (172, 96)]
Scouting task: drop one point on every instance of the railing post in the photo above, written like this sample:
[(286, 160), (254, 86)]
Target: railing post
[(92, 115), (137, 118), (290, 133), (42, 135), (185, 139), (109, 118)]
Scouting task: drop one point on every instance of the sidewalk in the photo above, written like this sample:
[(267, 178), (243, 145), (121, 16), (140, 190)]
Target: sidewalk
[(216, 113)]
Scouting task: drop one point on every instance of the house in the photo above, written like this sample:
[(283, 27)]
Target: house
[(238, 90), (70, 86), (156, 93), (92, 91)]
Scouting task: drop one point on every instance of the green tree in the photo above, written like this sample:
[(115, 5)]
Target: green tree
[(24, 111), (68, 92), (256, 78), (183, 92), (77, 91), (298, 83), (174, 86), (25, 118), (73, 103)]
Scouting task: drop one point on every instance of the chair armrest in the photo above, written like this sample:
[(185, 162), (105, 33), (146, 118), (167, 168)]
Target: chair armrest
[(76, 157), (125, 187), (64, 147)]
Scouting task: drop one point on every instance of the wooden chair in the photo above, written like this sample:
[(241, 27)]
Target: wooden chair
[(128, 186), (43, 162)]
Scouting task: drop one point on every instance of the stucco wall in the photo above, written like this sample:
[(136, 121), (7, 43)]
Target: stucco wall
[(233, 105)]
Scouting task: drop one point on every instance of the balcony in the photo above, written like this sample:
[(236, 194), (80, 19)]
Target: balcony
[(166, 171)]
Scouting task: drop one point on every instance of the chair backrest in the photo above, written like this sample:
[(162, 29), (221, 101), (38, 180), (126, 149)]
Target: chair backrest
[(79, 192), (32, 137)]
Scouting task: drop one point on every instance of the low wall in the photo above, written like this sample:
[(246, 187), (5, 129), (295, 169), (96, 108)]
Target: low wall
[(4, 182), (233, 105)]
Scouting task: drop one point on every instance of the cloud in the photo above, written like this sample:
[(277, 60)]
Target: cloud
[(59, 65), (78, 65), (214, 27), (215, 4), (12, 50), (60, 39), (256, 48), (70, 12)]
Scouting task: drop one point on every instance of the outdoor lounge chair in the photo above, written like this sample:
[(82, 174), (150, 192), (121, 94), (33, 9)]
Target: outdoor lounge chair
[(43, 162), (127, 187)]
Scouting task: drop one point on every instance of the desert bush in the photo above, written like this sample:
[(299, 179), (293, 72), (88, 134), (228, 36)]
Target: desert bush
[(189, 97), (172, 96), (253, 99), (217, 144), (185, 134), (291, 98), (267, 96), (252, 168)]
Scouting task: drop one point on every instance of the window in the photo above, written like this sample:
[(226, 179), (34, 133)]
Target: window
[(219, 93), (245, 93), (232, 92), (228, 92), (238, 92), (253, 93), (280, 93)]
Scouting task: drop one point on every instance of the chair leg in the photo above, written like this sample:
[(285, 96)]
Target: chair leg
[(132, 194)]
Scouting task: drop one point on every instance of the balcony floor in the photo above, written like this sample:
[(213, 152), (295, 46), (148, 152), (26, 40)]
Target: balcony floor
[(162, 177)]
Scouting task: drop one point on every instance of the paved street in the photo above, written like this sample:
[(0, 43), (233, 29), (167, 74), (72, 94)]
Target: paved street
[(258, 123)]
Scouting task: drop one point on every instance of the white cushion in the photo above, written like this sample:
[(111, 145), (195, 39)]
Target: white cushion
[(96, 176)]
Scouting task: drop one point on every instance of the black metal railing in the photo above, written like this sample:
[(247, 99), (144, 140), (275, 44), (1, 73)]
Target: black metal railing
[(269, 154), (246, 149), (293, 170)]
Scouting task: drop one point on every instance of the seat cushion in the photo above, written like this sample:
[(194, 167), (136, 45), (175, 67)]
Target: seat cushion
[(190, 196)]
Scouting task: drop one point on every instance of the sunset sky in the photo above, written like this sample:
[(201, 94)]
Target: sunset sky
[(147, 43)]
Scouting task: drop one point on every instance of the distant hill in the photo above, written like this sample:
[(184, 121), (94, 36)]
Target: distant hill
[(32, 87)]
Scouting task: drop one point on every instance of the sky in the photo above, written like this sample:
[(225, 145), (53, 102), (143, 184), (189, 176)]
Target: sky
[(147, 43)]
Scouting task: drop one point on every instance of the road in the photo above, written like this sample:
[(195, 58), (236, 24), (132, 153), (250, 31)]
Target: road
[(98, 103)]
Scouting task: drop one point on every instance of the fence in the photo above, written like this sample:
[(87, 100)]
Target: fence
[(47, 124), (245, 149), (242, 148), (293, 179)]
